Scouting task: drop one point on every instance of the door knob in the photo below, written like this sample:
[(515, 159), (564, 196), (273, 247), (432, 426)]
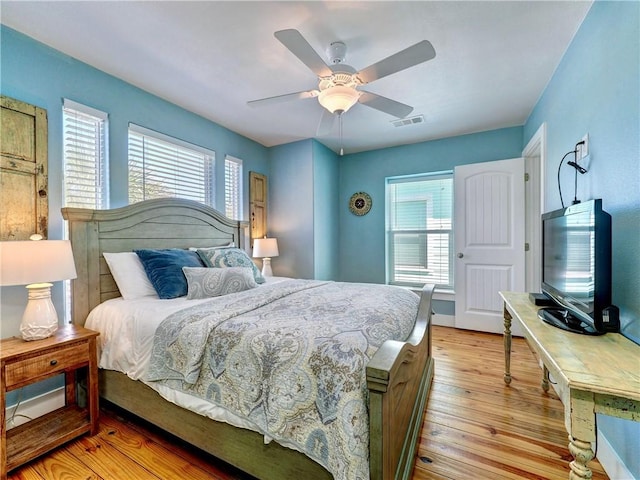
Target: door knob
[(460, 255)]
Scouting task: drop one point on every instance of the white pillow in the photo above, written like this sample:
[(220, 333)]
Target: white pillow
[(129, 274)]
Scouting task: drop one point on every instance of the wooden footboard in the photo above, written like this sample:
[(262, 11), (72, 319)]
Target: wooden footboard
[(399, 377)]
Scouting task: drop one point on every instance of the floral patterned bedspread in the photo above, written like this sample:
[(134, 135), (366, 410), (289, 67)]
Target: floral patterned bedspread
[(291, 358)]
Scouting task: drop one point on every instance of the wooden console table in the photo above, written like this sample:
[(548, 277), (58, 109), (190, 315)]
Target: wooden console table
[(595, 374)]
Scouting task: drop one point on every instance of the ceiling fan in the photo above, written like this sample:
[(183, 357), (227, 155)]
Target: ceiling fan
[(338, 84)]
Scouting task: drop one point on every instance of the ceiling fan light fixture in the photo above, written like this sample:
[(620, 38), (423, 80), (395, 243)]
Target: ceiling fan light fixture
[(338, 99)]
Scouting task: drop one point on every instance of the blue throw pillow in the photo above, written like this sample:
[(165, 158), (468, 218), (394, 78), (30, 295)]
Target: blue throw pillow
[(164, 269)]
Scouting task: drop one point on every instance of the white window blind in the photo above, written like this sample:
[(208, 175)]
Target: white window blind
[(85, 159), (86, 179), (233, 187), (162, 166), (419, 230)]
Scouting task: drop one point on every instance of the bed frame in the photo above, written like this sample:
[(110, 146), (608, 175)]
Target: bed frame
[(398, 376)]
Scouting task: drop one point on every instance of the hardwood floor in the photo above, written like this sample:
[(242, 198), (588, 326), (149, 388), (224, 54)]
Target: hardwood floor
[(475, 427)]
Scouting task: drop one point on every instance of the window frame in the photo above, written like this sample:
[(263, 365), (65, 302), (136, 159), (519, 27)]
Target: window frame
[(392, 231), (233, 200), (184, 149), (103, 169)]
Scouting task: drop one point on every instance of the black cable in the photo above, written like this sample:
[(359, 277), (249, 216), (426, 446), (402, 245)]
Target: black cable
[(559, 167), (575, 178), (578, 168)]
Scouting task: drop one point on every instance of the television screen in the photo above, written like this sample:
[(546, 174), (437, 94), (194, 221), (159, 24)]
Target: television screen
[(576, 264), (569, 260)]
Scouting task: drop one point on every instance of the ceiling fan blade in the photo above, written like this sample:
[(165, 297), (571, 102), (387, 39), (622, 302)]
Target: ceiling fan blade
[(294, 41), (418, 53), (326, 123), (385, 104), (283, 98)]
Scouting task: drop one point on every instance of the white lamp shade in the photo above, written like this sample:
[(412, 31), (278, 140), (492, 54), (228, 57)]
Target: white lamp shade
[(265, 248), (338, 98), (36, 261)]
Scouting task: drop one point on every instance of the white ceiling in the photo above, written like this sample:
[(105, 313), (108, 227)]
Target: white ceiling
[(493, 59)]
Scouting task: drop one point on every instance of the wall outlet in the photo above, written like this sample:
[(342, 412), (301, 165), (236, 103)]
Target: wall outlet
[(583, 150)]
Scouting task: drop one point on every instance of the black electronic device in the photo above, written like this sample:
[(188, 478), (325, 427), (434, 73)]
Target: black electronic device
[(576, 266), (611, 318), (540, 300)]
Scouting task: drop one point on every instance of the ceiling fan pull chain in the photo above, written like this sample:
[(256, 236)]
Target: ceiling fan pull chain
[(340, 129)]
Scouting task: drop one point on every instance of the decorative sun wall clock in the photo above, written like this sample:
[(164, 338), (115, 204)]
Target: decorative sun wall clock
[(360, 203)]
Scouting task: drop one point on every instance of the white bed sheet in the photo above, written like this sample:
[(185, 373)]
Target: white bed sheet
[(127, 329)]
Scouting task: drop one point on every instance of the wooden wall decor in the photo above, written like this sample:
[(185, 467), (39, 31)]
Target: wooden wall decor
[(24, 202), (257, 205)]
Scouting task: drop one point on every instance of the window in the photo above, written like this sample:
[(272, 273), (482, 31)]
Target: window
[(419, 230), (85, 159), (86, 178), (162, 166), (233, 187)]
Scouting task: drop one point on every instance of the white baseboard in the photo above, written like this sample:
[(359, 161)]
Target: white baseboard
[(611, 462), (34, 407), (443, 320)]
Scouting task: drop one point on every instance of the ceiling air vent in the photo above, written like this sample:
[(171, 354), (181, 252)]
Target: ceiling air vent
[(403, 122)]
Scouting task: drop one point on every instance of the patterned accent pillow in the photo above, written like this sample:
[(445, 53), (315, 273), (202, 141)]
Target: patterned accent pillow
[(229, 257), (215, 282), (164, 269)]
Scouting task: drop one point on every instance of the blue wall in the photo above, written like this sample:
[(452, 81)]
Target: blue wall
[(291, 208), (362, 239), (596, 90), (303, 209), (325, 212), (39, 75)]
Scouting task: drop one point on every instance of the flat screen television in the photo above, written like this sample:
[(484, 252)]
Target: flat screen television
[(576, 268)]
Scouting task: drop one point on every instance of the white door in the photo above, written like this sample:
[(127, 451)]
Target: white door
[(489, 240)]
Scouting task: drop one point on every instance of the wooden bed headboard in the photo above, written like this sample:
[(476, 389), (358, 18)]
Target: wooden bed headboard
[(159, 223)]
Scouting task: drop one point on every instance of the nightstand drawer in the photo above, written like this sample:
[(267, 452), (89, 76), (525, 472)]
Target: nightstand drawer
[(48, 362)]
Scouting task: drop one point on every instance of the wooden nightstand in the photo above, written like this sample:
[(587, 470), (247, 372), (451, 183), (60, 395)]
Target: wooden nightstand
[(22, 363)]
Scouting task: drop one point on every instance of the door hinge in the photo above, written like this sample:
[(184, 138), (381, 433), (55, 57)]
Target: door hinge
[(526, 176), (526, 247)]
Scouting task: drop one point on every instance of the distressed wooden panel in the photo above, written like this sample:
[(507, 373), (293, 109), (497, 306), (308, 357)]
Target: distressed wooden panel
[(618, 407), (23, 170), (257, 205)]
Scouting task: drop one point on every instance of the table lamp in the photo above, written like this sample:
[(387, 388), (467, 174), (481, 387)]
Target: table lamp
[(35, 263), (265, 248)]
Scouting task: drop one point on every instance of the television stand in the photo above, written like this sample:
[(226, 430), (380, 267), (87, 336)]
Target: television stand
[(561, 318), (593, 375)]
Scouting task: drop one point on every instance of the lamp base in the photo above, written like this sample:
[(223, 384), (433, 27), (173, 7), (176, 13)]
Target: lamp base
[(266, 267), (40, 319)]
